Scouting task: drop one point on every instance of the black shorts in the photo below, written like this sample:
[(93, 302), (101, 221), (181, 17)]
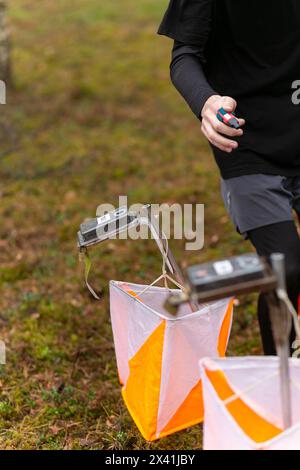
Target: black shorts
[(254, 201)]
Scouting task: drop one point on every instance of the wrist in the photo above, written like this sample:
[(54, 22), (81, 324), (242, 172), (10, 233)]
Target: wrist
[(209, 102)]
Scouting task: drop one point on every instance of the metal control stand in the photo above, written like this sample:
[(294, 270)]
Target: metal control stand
[(207, 285), (281, 322), (110, 225)]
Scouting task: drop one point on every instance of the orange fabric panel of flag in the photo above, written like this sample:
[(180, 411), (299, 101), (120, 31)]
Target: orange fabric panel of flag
[(141, 393), (225, 329), (254, 425), (189, 413)]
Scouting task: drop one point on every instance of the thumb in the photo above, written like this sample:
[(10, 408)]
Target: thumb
[(229, 104)]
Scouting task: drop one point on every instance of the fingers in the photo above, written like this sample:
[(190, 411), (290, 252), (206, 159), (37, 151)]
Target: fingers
[(242, 122), (216, 131), (216, 139), (222, 128), (229, 104)]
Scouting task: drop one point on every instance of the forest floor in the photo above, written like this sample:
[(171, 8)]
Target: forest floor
[(91, 116)]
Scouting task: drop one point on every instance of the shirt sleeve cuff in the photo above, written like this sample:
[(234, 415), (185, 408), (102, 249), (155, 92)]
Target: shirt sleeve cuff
[(200, 99)]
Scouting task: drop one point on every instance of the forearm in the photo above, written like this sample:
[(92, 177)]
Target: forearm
[(189, 25), (188, 76)]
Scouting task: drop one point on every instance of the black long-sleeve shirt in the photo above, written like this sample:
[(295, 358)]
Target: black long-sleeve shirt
[(249, 50), (188, 76)]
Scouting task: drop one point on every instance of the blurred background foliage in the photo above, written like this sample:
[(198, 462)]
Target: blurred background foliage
[(90, 115)]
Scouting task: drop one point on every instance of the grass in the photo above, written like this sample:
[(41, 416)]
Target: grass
[(92, 116)]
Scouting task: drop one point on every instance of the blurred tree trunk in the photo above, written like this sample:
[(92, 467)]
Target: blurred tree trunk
[(5, 69)]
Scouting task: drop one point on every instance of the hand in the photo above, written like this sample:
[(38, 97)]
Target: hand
[(215, 130)]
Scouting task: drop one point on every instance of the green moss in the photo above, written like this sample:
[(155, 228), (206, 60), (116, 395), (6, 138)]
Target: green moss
[(15, 273)]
